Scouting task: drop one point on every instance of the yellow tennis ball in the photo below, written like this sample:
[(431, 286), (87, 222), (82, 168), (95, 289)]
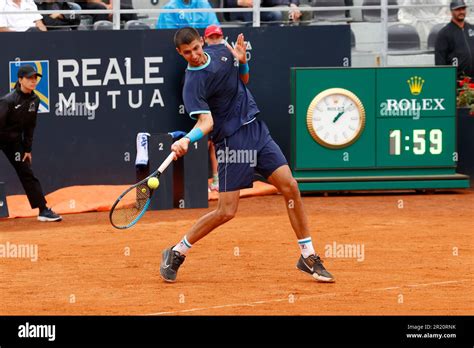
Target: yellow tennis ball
[(153, 183)]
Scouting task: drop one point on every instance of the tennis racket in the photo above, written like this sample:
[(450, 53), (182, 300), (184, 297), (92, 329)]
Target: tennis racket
[(133, 203)]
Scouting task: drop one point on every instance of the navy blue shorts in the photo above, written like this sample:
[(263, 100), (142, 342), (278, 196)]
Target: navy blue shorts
[(249, 149)]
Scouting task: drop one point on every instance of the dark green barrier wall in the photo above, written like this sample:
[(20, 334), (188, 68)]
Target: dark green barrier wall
[(386, 128)]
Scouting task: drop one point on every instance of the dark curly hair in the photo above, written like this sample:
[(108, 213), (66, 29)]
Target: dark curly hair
[(185, 36)]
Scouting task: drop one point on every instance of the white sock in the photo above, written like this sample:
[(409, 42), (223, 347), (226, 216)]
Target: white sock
[(183, 246), (306, 246)]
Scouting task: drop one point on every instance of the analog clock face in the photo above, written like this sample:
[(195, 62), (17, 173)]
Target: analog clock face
[(336, 118)]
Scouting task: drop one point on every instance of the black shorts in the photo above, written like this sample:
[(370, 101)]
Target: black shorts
[(249, 149)]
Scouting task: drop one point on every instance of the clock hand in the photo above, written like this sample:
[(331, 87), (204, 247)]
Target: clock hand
[(338, 116)]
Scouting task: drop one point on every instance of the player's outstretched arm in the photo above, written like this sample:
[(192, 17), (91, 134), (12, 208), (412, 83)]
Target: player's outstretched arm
[(240, 53), (202, 127)]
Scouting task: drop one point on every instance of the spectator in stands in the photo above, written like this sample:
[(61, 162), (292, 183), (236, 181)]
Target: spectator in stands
[(95, 5), (294, 14), (107, 5), (57, 21), (186, 19), (455, 42), (127, 5), (124, 5), (424, 18), (348, 3), (20, 22)]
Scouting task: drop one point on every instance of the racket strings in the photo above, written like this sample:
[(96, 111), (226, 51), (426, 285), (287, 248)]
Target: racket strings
[(131, 206)]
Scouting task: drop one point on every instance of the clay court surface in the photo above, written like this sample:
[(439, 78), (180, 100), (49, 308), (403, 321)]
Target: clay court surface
[(418, 260)]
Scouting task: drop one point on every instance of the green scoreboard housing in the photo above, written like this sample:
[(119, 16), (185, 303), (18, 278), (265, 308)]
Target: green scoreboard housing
[(374, 128)]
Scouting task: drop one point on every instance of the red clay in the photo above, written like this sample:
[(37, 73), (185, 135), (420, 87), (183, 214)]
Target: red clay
[(417, 260)]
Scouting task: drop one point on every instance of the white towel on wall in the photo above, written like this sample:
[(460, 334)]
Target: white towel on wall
[(142, 149)]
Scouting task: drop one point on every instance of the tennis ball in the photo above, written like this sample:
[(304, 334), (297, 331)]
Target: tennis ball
[(153, 183)]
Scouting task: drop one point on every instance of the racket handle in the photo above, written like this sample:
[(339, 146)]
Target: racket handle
[(166, 162)]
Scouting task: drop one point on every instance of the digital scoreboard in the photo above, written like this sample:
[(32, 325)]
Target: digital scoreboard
[(374, 128)]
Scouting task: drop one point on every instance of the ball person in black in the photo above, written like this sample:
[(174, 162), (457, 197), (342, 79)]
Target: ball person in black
[(18, 110)]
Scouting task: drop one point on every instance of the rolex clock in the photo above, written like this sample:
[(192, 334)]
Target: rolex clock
[(374, 128), (335, 118)]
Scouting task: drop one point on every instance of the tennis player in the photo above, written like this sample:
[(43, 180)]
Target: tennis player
[(216, 97), (213, 35)]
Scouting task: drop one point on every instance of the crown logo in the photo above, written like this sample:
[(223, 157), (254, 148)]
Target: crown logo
[(416, 84)]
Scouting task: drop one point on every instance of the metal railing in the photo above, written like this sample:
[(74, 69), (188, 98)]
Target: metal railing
[(116, 13)]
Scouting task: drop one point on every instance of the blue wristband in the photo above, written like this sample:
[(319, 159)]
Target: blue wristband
[(244, 69), (195, 135)]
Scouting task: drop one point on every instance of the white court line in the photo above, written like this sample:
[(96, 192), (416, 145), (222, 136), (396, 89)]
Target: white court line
[(249, 304), (253, 304), (383, 289), (418, 285), (440, 283)]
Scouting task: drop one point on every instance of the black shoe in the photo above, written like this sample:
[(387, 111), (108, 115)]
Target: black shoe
[(313, 265), (170, 262), (47, 215)]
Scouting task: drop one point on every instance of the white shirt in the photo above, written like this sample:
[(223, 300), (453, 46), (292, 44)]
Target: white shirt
[(18, 22)]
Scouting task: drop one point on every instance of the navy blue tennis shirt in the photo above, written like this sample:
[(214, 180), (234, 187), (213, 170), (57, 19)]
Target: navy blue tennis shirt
[(216, 88)]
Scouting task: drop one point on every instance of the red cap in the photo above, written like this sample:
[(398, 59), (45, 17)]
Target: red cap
[(213, 29)]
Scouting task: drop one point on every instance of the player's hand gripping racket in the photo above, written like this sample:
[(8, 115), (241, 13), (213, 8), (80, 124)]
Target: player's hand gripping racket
[(133, 203)]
